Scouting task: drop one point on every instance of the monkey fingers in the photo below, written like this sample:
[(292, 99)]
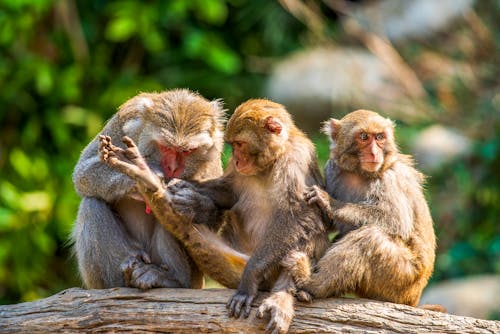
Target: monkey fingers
[(143, 275), (238, 302), (132, 262), (129, 162), (303, 296), (316, 195)]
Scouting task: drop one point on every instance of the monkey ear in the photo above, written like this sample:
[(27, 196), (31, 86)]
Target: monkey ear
[(273, 125), (331, 128)]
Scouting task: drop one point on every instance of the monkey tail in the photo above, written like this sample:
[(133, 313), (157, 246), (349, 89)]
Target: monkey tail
[(433, 307)]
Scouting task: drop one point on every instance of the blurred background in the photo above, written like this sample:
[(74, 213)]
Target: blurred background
[(432, 66)]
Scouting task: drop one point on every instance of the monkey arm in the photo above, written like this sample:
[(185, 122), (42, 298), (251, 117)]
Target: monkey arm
[(394, 219), (205, 202), (211, 254), (220, 191), (92, 178)]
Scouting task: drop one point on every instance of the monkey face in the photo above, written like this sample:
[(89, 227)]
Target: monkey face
[(362, 141), (256, 146), (371, 149), (176, 130)]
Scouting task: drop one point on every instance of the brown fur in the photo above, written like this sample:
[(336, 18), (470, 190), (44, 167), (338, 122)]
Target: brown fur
[(116, 242), (268, 216), (387, 242)]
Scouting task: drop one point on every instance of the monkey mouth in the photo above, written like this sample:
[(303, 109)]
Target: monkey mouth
[(243, 168), (371, 166)]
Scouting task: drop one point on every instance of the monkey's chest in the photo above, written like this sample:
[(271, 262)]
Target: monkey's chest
[(255, 213)]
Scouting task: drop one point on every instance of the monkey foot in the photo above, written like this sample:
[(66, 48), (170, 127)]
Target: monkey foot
[(279, 306), (128, 161), (144, 275)]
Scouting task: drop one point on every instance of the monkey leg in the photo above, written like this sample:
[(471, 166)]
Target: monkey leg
[(168, 251), (209, 251), (101, 244), (371, 264)]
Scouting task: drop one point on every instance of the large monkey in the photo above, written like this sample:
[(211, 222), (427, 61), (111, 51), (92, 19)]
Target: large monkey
[(117, 242), (374, 197), (272, 164)]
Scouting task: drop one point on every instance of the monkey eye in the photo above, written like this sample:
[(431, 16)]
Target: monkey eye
[(380, 136), (363, 136), (237, 144)]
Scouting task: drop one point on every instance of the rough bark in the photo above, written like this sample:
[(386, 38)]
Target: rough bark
[(203, 311)]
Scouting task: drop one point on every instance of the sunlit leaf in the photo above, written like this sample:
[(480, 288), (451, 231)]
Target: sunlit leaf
[(10, 195), (39, 169), (212, 11), (20, 162), (224, 59), (121, 29), (74, 115), (6, 219), (44, 80), (36, 201)]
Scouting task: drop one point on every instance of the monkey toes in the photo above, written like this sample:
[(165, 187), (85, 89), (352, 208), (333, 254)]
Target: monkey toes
[(279, 306), (129, 162), (139, 272)]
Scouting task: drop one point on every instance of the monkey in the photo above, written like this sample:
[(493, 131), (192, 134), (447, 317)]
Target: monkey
[(386, 244), (272, 164), (117, 242)]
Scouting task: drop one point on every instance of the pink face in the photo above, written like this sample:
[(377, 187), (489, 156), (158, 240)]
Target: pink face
[(241, 159), (173, 160), (371, 150)]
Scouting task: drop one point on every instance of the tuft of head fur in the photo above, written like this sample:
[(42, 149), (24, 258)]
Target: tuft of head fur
[(177, 118)]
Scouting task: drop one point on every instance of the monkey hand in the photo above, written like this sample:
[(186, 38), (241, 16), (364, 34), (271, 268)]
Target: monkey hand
[(187, 201), (240, 300), (279, 306), (128, 161), (316, 195), (139, 272)]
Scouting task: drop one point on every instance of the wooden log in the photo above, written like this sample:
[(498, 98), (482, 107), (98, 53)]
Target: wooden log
[(203, 311)]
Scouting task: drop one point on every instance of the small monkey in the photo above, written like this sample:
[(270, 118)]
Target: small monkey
[(272, 164), (374, 197), (117, 243)]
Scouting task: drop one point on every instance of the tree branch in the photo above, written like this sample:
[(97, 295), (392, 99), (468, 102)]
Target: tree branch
[(186, 310)]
